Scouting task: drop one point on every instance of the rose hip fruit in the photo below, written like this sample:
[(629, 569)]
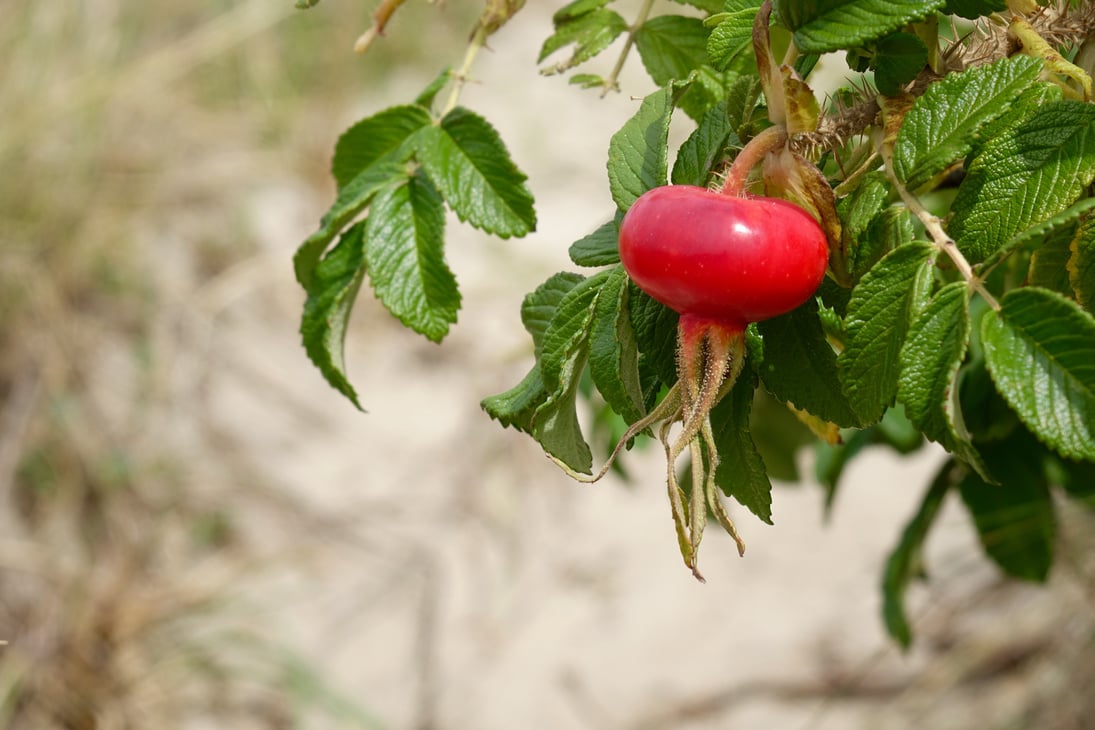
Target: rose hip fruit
[(731, 259), (721, 261)]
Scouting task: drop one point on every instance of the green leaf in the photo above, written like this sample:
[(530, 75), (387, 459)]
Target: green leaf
[(1063, 222), (741, 101), (893, 228), (655, 328), (351, 200), (830, 461), (779, 435), (702, 89), (1014, 519), (562, 360), (1028, 174), (426, 97), (799, 366), (613, 352), (869, 229), (589, 33), (1077, 478), (1040, 350), (708, 6), (404, 253), (899, 57), (905, 562), (539, 307), (741, 473), (599, 248), (832, 25), (466, 159), (703, 148), (637, 154), (1049, 264), (305, 4), (569, 325), (577, 9), (671, 47), (1025, 104), (733, 35), (375, 138), (943, 124), (332, 291), (974, 9), (927, 386), (516, 406), (587, 81), (1081, 265), (883, 305)]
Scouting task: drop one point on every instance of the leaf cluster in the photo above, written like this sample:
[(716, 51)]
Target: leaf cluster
[(959, 305)]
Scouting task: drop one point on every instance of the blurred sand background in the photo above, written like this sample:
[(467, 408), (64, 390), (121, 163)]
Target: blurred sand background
[(197, 532)]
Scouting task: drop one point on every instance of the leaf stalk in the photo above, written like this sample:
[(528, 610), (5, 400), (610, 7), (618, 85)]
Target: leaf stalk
[(612, 82)]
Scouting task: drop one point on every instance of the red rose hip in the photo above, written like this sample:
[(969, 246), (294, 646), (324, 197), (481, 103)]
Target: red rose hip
[(715, 256), (721, 262)]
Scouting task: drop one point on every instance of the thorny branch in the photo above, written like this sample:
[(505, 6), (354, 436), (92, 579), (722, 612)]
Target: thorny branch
[(987, 42)]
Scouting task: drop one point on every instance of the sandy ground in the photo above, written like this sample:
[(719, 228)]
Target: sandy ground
[(456, 579)]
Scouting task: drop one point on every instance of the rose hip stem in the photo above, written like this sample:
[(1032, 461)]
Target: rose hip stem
[(767, 140)]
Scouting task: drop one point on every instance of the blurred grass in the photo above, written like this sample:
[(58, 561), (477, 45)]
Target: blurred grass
[(133, 134), (120, 552)]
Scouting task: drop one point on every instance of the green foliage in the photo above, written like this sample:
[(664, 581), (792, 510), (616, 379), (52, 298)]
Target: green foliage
[(955, 195), (741, 472), (898, 58), (942, 125), (1040, 349), (883, 306), (1032, 171), (637, 154), (906, 560), (588, 26), (822, 26), (797, 365), (404, 256)]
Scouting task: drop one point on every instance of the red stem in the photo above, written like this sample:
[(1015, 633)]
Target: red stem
[(768, 140)]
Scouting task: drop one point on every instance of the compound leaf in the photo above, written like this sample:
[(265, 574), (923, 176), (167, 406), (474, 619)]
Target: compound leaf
[(1049, 263), (733, 35), (655, 328)]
